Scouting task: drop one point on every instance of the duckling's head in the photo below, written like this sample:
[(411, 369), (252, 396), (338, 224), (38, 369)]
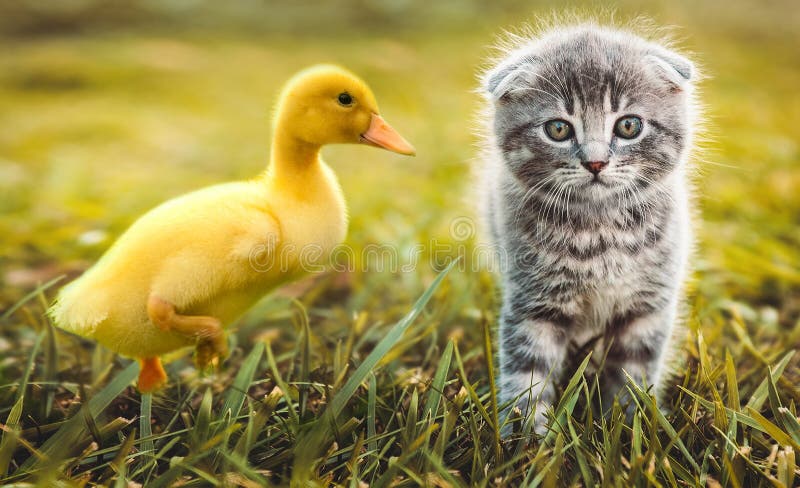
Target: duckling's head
[(327, 104)]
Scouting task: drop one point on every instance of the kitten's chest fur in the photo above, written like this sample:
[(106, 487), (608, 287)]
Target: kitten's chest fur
[(593, 266)]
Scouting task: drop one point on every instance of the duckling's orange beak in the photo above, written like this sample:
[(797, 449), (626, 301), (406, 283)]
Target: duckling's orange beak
[(381, 134)]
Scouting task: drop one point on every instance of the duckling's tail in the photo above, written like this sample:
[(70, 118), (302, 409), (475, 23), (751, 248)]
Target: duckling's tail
[(75, 312)]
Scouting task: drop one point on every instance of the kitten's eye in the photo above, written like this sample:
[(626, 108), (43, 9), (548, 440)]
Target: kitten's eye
[(345, 99), (558, 130), (628, 127)]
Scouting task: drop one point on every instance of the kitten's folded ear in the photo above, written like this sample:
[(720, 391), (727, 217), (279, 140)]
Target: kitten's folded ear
[(672, 68), (508, 76)]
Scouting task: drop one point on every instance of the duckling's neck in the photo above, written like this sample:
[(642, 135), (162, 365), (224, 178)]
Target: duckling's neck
[(293, 162)]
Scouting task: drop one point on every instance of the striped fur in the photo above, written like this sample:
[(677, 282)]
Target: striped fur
[(587, 256)]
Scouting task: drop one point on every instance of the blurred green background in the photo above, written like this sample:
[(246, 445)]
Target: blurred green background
[(109, 108)]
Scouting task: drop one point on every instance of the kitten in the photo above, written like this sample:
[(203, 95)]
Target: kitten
[(584, 190)]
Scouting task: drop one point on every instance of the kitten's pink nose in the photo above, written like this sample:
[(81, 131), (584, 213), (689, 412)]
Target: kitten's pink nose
[(594, 167)]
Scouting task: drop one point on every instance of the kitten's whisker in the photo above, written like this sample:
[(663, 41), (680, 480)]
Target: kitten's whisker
[(658, 187), (528, 194), (624, 205), (647, 208), (641, 206), (555, 206), (550, 197)]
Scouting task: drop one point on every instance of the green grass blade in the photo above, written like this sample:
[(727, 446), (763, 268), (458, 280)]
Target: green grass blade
[(8, 443), (309, 444), (50, 369), (583, 464), (765, 425), (552, 465), (168, 477), (372, 443), (442, 470), (72, 430), (23, 384), (662, 421), (145, 427), (202, 424), (754, 467), (791, 423), (473, 395), (234, 399), (786, 466), (487, 351), (772, 395), (410, 431), (384, 346), (257, 422), (709, 405), (284, 388), (118, 464), (243, 468), (567, 402), (304, 351), (761, 394), (733, 385), (30, 296), (437, 385)]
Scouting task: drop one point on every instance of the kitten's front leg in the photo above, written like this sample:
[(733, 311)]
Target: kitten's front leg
[(532, 353), (637, 347)]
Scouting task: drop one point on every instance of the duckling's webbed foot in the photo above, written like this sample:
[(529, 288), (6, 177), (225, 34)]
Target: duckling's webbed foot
[(151, 375), (210, 352), (212, 345)]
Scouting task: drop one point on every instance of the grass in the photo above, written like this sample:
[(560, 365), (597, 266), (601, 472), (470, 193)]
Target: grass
[(372, 377)]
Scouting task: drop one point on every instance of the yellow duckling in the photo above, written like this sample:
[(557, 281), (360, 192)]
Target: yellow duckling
[(194, 264)]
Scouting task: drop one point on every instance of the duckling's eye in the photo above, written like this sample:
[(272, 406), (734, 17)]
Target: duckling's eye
[(558, 130), (345, 99), (628, 127)]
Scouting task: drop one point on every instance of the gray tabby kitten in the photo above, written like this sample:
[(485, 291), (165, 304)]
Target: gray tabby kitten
[(584, 190)]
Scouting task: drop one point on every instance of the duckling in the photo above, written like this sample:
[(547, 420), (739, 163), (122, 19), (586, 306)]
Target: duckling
[(194, 264)]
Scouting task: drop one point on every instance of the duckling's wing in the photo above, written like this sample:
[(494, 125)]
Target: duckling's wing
[(227, 267), (258, 242)]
